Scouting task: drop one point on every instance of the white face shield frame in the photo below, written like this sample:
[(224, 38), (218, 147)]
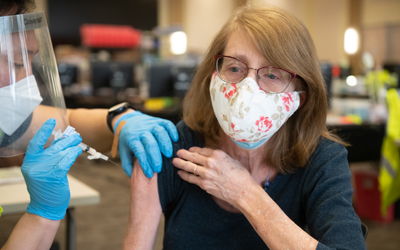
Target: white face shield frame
[(30, 89)]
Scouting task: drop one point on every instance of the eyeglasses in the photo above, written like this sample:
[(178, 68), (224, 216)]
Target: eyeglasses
[(269, 78)]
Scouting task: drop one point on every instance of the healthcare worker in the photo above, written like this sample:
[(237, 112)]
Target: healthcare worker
[(32, 108), (30, 94)]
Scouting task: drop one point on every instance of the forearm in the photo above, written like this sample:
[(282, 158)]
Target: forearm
[(91, 124), (11, 161), (276, 229), (32, 232), (145, 211)]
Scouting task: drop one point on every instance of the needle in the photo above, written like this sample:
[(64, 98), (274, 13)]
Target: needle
[(113, 163)]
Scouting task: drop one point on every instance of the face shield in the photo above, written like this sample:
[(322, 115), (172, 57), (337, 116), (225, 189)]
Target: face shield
[(30, 89)]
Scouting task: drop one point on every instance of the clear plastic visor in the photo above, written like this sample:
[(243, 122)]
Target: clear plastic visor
[(30, 89)]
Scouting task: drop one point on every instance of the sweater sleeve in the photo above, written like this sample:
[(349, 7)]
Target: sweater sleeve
[(330, 216), (170, 185)]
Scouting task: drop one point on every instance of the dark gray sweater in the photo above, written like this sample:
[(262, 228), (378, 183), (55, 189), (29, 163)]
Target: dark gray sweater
[(318, 197)]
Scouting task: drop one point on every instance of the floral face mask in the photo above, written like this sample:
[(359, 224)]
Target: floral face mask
[(249, 115)]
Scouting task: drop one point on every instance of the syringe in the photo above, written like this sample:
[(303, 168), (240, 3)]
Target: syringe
[(93, 154)]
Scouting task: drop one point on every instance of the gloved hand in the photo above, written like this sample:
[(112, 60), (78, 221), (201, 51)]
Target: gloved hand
[(45, 172), (144, 136)]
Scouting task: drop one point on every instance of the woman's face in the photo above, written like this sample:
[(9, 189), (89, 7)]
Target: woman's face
[(19, 59), (239, 45)]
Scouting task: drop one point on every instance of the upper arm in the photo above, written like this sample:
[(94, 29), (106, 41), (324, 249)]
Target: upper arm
[(145, 211), (150, 196), (330, 214)]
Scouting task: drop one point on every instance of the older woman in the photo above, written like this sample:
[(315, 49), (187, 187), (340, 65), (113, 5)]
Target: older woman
[(255, 163)]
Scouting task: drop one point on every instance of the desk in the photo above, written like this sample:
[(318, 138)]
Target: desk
[(14, 198)]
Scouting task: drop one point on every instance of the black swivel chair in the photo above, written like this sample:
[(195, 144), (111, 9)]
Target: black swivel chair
[(364, 229)]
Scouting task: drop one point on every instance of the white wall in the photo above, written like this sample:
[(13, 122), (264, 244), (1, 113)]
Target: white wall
[(330, 20), (325, 19), (202, 19), (381, 30), (376, 12)]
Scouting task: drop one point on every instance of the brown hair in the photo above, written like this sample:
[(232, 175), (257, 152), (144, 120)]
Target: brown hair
[(293, 49), (18, 6)]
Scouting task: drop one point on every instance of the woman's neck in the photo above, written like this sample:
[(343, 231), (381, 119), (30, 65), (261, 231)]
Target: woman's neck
[(252, 160)]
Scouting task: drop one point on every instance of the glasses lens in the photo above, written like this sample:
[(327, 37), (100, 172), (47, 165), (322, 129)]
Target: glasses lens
[(231, 70), (273, 80)]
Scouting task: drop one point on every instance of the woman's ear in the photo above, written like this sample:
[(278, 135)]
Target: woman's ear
[(302, 89), (303, 98)]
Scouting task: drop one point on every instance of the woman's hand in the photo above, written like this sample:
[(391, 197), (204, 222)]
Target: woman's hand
[(215, 172)]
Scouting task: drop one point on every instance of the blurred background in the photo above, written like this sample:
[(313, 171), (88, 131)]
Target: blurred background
[(146, 52)]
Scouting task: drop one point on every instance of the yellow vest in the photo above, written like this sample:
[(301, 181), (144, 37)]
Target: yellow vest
[(389, 179)]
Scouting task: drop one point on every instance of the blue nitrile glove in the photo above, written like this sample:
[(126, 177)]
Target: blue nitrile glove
[(144, 136), (45, 172)]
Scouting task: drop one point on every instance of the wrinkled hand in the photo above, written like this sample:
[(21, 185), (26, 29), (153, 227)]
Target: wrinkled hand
[(45, 172), (145, 136), (216, 172)]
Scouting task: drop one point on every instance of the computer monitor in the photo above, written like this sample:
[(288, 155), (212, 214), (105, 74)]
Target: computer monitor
[(159, 79), (115, 75), (68, 73), (169, 79), (182, 77)]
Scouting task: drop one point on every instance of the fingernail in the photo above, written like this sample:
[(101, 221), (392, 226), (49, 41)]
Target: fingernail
[(158, 169), (77, 137), (168, 153), (78, 151)]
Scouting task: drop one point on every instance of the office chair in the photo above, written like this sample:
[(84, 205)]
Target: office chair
[(364, 229)]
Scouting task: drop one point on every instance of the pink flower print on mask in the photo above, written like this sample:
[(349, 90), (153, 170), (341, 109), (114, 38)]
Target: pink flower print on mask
[(233, 127), (231, 92), (264, 124), (287, 101), (242, 140)]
